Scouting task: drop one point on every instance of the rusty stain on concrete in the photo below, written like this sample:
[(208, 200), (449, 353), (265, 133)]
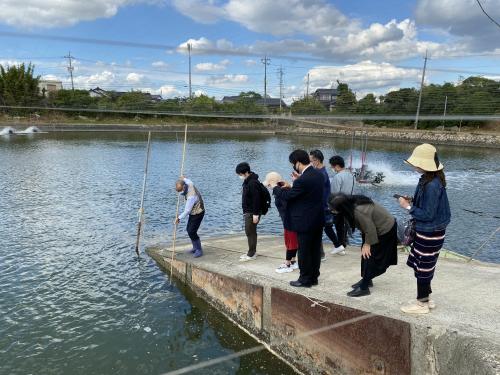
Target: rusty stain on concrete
[(241, 299), (382, 344)]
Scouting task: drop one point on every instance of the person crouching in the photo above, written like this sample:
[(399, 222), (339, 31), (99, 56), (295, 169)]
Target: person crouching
[(195, 209), (379, 235)]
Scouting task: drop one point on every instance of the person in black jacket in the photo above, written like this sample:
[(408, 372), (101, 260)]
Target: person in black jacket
[(251, 204), (305, 204)]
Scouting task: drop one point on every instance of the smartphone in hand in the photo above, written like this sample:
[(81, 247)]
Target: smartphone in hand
[(397, 196)]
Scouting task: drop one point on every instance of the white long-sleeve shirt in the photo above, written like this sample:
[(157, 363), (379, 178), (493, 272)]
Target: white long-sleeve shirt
[(190, 201)]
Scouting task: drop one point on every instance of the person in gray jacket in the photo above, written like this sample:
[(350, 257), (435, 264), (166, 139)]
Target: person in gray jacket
[(342, 182), (379, 236)]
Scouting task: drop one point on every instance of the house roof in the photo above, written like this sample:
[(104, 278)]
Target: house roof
[(326, 91)]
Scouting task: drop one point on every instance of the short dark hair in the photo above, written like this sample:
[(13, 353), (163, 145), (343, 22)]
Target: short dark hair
[(317, 154), (243, 168), (337, 160), (299, 156)]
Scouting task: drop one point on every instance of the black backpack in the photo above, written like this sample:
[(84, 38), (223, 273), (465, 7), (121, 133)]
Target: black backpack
[(265, 199)]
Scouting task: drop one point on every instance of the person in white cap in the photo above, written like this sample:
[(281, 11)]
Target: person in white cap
[(291, 239), (431, 210)]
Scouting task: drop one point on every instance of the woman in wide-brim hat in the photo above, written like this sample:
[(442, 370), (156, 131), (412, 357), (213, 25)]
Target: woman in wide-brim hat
[(431, 210)]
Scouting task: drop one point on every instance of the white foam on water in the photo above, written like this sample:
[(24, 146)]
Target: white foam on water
[(391, 176), (7, 130)]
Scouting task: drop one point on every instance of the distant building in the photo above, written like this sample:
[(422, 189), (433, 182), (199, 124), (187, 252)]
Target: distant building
[(327, 97), (268, 102), (101, 93), (46, 86)]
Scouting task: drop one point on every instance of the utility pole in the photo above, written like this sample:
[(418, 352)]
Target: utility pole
[(307, 87), (266, 61), (70, 69), (421, 89), (445, 105), (189, 53), (280, 71)]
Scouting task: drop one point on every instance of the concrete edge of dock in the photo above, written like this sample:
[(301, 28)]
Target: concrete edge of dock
[(375, 345)]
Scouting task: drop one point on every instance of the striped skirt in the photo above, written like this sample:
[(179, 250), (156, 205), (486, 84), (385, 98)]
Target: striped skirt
[(425, 253)]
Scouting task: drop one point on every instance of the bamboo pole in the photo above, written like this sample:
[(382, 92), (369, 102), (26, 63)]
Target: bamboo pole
[(174, 237), (141, 209)]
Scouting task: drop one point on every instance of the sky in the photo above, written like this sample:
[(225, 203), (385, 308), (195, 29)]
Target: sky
[(373, 46)]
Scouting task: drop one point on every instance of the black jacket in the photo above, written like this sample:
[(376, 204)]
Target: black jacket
[(250, 197), (283, 212), (304, 201)]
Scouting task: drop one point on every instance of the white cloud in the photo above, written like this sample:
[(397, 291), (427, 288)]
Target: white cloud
[(59, 13), (277, 17), (103, 78), (211, 67), (250, 62), (365, 76), (462, 20), (159, 64), (134, 77), (227, 79)]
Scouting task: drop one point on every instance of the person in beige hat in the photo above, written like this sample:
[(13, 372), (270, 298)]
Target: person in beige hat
[(291, 240), (430, 210)]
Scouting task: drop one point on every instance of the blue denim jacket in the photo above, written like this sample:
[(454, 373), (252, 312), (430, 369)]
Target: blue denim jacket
[(430, 206)]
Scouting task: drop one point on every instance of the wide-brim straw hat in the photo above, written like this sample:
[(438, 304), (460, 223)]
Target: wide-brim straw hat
[(425, 157), (272, 178)]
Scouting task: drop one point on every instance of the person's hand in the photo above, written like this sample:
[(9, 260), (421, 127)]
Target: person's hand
[(256, 219), (404, 202), (286, 185), (177, 221), (366, 251), (295, 175)]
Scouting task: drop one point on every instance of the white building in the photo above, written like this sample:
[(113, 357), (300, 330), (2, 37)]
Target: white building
[(46, 86)]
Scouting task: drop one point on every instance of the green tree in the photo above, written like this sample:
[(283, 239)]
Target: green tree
[(70, 98), (201, 104), (134, 100), (368, 104), (346, 100), (308, 106), (18, 85)]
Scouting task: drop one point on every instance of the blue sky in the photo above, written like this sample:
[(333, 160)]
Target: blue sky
[(373, 46)]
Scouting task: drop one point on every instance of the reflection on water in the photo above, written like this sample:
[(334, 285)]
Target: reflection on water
[(73, 298)]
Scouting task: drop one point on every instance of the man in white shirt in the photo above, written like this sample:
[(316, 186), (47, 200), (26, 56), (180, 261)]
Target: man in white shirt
[(195, 209)]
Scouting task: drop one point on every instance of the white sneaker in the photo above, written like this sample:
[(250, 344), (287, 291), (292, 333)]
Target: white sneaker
[(323, 258), (284, 268), (338, 250), (416, 307), (431, 303), (295, 266), (246, 258)]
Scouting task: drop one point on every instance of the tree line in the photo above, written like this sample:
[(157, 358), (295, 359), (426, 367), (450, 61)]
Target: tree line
[(472, 96)]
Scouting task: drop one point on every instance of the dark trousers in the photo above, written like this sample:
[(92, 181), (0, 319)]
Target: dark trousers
[(423, 291), (193, 225), (341, 230), (329, 221), (251, 232), (310, 255)]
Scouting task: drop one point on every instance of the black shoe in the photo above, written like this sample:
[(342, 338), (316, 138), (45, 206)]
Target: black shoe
[(299, 284), (358, 292), (314, 283), (358, 284)]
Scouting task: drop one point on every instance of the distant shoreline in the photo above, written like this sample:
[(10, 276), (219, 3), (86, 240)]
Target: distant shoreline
[(283, 127)]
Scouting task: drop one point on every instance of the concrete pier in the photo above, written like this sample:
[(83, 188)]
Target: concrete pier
[(460, 336)]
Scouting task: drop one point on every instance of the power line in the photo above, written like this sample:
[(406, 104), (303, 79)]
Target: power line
[(487, 15), (266, 61), (70, 69), (421, 90)]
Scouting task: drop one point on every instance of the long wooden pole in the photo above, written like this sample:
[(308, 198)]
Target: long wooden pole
[(174, 237), (141, 209)]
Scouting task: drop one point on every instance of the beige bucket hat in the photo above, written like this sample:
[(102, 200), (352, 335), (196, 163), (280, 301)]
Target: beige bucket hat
[(425, 157), (272, 178)]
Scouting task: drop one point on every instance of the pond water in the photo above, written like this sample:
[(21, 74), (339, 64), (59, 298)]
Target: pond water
[(75, 299)]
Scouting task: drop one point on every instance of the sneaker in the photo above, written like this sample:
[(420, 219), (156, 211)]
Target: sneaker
[(338, 250), (284, 268), (323, 258), (295, 266), (246, 258), (432, 304), (416, 307)]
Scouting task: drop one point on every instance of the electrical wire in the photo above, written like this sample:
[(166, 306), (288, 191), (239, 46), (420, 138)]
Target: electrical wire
[(487, 15)]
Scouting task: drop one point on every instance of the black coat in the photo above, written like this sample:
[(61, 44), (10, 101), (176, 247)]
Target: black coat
[(250, 197), (304, 201)]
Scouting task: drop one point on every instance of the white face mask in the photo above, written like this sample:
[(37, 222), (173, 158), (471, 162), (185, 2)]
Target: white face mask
[(241, 177)]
